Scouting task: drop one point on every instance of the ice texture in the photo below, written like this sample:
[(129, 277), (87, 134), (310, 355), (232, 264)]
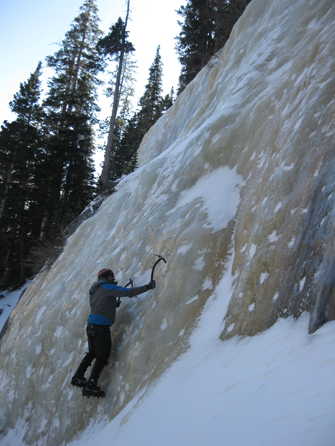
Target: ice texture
[(238, 174)]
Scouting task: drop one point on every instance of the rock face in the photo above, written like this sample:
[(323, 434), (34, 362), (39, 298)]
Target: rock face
[(240, 171)]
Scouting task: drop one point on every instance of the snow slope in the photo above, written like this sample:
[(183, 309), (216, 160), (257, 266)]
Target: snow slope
[(275, 388), (236, 190)]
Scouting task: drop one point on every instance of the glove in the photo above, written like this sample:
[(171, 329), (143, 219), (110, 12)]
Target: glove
[(151, 285), (118, 303)]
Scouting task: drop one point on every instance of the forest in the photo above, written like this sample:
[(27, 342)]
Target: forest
[(47, 173)]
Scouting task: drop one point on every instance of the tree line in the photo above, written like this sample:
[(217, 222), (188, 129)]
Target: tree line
[(205, 28), (47, 172)]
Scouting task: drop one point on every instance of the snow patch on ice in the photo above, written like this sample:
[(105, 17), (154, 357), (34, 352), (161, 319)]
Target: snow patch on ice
[(199, 263), (29, 370), (164, 325), (251, 307), (219, 192), (208, 284), (244, 248), (291, 242), (273, 237), (192, 300), (252, 250), (230, 327), (302, 284), (263, 277), (40, 313), (279, 205), (58, 332), (183, 249), (38, 349)]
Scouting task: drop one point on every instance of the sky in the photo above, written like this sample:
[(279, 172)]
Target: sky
[(30, 31)]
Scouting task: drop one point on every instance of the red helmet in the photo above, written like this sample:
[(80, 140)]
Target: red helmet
[(105, 272)]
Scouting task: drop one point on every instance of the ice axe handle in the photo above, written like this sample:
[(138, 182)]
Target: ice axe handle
[(118, 302), (157, 261)]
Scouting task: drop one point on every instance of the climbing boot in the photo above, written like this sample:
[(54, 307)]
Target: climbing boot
[(78, 381), (91, 389)]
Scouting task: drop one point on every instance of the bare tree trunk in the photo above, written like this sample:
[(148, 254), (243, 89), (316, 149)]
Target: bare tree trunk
[(3, 278), (7, 184), (109, 185)]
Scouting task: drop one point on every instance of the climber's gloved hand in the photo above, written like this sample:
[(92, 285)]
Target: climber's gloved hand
[(118, 303), (151, 285)]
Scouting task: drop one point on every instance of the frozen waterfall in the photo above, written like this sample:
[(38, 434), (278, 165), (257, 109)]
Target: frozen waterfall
[(236, 181)]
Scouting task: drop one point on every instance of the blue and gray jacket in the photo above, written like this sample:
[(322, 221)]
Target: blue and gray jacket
[(103, 296)]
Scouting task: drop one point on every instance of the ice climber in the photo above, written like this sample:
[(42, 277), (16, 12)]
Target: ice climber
[(103, 303)]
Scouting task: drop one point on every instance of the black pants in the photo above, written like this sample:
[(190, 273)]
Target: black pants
[(99, 348)]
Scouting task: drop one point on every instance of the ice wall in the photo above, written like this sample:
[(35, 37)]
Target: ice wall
[(241, 166)]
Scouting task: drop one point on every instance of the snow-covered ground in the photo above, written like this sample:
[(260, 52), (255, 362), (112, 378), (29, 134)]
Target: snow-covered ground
[(8, 302), (276, 388)]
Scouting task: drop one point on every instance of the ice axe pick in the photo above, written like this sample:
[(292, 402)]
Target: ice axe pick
[(157, 261)]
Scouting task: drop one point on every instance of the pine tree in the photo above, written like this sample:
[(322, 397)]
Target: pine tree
[(206, 28), (192, 40), (121, 159), (150, 104), (70, 114), (125, 155), (20, 145), (168, 100), (115, 44)]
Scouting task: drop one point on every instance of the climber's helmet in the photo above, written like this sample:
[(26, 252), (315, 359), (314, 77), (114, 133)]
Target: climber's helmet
[(105, 272)]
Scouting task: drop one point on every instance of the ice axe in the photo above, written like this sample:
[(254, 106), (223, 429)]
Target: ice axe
[(130, 283), (157, 261)]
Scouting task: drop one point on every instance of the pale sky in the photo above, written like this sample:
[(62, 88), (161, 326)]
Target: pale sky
[(29, 29)]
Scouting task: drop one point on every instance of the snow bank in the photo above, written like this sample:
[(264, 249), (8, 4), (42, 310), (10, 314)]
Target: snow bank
[(273, 389)]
